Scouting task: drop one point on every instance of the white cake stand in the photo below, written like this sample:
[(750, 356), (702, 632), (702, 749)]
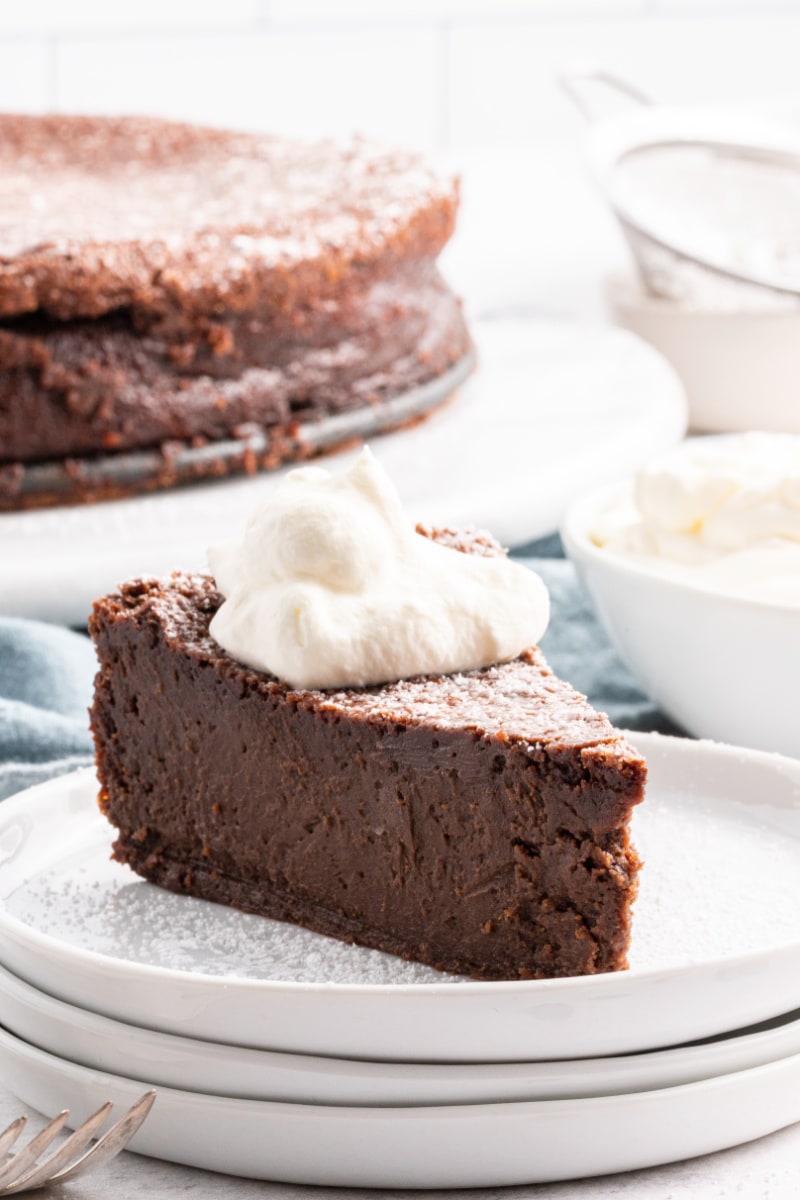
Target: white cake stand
[(553, 409)]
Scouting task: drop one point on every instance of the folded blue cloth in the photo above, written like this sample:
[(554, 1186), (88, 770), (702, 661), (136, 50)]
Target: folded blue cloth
[(46, 678), (45, 688)]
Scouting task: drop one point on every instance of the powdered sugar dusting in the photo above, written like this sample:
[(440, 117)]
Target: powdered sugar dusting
[(98, 905), (711, 886)]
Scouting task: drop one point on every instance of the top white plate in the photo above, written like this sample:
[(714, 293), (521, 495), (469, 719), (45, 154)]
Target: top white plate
[(716, 940), (553, 409)]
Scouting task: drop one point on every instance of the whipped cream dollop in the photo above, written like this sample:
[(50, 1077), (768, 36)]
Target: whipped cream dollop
[(723, 511), (331, 587)]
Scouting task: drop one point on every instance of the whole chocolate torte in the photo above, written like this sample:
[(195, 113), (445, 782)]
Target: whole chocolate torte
[(165, 287), (477, 822)]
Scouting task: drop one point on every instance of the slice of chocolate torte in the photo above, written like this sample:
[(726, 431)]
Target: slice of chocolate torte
[(477, 821)]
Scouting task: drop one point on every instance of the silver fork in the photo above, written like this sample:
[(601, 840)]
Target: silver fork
[(21, 1172)]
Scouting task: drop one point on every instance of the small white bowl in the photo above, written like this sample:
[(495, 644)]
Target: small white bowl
[(720, 666), (740, 368)]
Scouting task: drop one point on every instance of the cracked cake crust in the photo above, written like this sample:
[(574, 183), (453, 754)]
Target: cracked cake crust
[(155, 215)]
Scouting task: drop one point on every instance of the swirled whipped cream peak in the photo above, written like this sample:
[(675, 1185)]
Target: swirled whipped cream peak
[(332, 587), (723, 510)]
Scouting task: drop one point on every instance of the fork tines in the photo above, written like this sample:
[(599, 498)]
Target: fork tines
[(22, 1172)]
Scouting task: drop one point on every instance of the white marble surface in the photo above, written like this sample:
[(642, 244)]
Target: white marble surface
[(768, 1169)]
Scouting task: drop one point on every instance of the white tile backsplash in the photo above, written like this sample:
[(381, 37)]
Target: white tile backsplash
[(432, 72), (311, 84), (398, 11), (503, 81), (24, 76), (55, 17), (533, 234)]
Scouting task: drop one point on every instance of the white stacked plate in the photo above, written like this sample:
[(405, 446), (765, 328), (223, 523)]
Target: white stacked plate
[(280, 1054)]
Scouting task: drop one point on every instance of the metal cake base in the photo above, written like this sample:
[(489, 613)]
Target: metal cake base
[(125, 473)]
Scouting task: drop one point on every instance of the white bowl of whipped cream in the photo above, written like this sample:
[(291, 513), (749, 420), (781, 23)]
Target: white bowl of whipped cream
[(694, 568)]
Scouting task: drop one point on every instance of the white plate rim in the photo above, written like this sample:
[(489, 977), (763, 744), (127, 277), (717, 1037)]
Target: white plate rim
[(385, 1111), (437, 1124), (628, 1073)]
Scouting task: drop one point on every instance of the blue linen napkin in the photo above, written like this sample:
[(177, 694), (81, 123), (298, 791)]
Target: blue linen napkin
[(46, 675), (46, 678)]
